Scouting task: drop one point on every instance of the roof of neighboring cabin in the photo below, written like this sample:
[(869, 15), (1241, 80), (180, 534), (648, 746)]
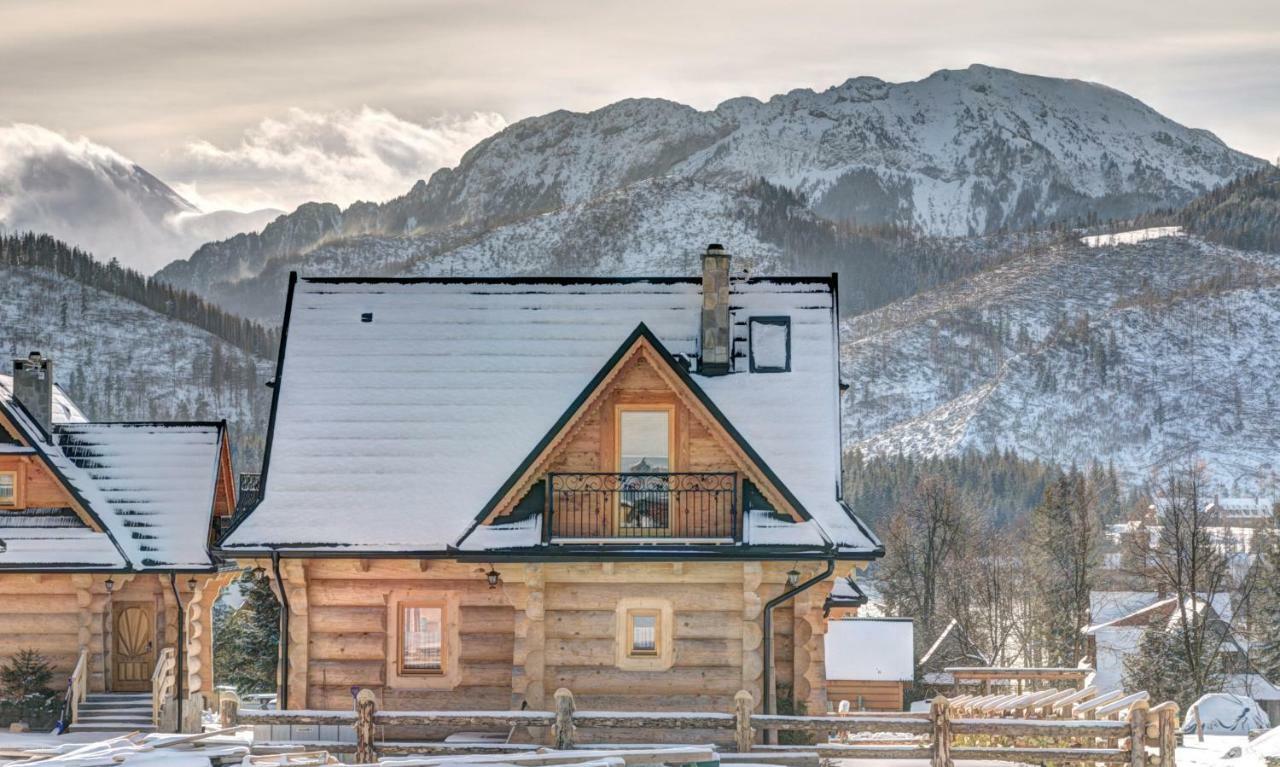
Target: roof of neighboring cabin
[(148, 487), (845, 593), (414, 400), (870, 649)]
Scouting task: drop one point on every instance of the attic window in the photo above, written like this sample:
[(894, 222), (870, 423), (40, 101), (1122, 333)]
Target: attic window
[(770, 344), (8, 488)]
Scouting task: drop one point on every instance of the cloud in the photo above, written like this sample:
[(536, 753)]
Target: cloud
[(343, 156), (94, 197)]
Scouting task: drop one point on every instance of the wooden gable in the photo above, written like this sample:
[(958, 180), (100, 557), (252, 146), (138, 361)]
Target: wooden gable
[(642, 377), (38, 485)]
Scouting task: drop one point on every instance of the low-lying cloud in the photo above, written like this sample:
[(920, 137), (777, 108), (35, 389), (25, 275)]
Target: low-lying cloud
[(340, 157)]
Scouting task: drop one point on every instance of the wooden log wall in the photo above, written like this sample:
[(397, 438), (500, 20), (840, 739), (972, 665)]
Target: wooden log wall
[(545, 627), (59, 614)]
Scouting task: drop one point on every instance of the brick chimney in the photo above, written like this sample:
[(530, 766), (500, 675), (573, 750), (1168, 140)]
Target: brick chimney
[(33, 388), (713, 356)]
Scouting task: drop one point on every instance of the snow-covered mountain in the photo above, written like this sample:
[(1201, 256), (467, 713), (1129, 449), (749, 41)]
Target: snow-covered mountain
[(91, 196), (960, 152), (1142, 351)]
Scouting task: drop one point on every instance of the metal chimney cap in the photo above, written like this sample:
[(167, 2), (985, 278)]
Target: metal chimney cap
[(716, 249), (34, 356)]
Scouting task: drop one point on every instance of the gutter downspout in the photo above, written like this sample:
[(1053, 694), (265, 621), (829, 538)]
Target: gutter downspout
[(283, 661), (182, 647), (770, 704)]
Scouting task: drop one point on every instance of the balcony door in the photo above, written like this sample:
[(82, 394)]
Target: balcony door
[(645, 450)]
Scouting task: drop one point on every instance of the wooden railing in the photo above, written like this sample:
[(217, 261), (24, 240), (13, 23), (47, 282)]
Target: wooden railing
[(939, 735), (164, 684), (77, 687)]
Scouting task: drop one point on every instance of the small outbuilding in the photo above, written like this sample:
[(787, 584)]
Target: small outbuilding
[(870, 662)]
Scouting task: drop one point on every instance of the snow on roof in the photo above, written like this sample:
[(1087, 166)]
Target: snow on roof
[(159, 480), (149, 486), (1166, 609), (64, 410), (414, 400), (870, 649), (1106, 606)]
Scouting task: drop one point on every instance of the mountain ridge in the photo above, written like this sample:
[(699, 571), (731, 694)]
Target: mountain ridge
[(960, 152)]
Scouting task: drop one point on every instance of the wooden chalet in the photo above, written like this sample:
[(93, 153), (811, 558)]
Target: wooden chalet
[(477, 491), (105, 537)]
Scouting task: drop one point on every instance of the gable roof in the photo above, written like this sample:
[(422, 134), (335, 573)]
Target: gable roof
[(147, 488), (641, 341), (160, 481), (416, 417)]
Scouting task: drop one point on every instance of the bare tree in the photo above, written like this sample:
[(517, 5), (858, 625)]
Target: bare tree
[(1187, 554), (924, 543), (1065, 549)]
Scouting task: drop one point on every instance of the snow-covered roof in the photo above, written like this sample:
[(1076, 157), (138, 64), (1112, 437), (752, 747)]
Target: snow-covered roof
[(159, 480), (404, 405), (1106, 606), (1166, 610), (846, 593), (870, 649), (148, 487)]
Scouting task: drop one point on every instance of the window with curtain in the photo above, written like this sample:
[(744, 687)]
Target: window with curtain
[(421, 638), (8, 488)]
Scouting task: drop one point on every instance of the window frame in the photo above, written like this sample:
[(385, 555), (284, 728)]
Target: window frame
[(672, 465), (15, 501), (650, 612), (401, 605), (663, 635), (783, 321), (642, 407)]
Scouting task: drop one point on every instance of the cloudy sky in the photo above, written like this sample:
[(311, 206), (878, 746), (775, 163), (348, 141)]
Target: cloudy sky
[(249, 103)]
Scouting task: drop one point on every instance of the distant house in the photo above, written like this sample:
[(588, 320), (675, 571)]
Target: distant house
[(478, 491), (105, 531), (1121, 618), (870, 662), (952, 647)]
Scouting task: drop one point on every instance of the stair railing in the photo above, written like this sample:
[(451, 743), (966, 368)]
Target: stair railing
[(77, 690), (164, 681)]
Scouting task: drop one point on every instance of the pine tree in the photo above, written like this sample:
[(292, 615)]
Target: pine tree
[(26, 673), (1065, 551), (1265, 618), (248, 638)]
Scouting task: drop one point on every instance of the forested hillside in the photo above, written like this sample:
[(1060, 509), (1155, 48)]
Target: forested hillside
[(1243, 214), (127, 348)]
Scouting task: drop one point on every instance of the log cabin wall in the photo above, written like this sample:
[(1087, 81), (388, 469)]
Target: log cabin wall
[(546, 626), (59, 614)]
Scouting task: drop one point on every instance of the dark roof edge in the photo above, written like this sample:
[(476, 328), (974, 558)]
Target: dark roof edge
[(565, 280), (198, 424), (62, 478), (271, 419), (594, 553)]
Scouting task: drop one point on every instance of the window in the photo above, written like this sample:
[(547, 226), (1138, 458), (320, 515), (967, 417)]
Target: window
[(8, 488), (422, 638), (770, 342), (645, 448), (643, 633), (644, 440)]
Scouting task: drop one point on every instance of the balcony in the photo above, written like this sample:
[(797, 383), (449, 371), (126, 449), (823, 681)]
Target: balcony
[(596, 507)]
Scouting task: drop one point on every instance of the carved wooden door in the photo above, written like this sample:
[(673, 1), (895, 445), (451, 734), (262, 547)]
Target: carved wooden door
[(133, 646)]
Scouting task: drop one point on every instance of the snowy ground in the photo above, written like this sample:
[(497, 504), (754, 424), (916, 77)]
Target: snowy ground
[(1131, 237)]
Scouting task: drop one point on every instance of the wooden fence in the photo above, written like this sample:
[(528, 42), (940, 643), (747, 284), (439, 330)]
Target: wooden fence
[(941, 736)]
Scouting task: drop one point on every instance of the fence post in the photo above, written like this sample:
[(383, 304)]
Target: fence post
[(1168, 733), (940, 718), (366, 707), (229, 709), (1138, 734), (563, 729), (743, 706)]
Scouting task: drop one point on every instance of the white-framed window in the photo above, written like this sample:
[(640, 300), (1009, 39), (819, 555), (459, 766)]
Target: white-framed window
[(8, 488)]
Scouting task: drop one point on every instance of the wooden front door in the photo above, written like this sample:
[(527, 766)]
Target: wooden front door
[(133, 646)]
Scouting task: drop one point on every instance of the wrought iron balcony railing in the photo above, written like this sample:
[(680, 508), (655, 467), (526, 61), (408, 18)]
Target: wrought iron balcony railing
[(629, 506)]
